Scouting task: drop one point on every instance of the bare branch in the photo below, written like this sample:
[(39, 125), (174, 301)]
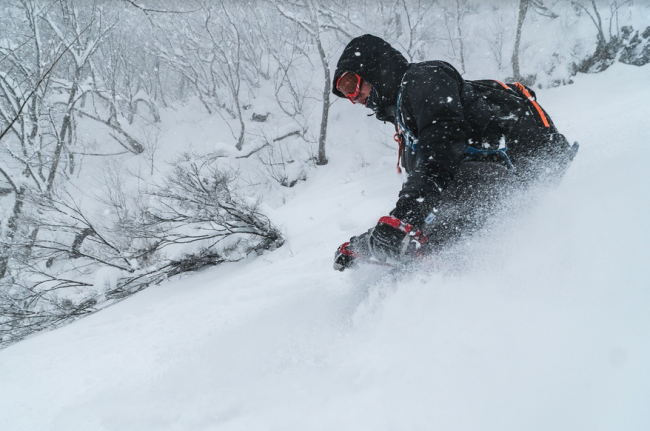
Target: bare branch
[(16, 49), (146, 10), (67, 48), (134, 146)]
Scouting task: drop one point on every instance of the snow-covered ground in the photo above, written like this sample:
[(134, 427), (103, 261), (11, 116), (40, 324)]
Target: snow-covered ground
[(544, 324)]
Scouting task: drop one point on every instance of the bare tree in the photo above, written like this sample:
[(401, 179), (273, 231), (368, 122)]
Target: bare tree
[(608, 46), (498, 26), (194, 204), (120, 79), (540, 9), (278, 162), (227, 41), (416, 14), (32, 165), (215, 51), (151, 145), (288, 52), (307, 17), (66, 25), (455, 14)]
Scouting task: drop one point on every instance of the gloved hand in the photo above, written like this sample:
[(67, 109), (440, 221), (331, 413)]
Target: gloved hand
[(346, 255), (393, 238)]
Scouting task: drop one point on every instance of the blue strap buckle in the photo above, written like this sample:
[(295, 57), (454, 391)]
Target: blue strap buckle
[(501, 152)]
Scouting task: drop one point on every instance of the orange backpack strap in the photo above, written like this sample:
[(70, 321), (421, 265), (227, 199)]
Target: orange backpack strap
[(502, 84), (523, 90), (534, 102)]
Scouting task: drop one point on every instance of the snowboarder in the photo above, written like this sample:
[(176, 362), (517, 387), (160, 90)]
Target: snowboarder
[(464, 145)]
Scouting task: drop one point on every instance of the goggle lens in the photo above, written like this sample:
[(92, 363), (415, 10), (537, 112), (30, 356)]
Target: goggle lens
[(350, 85)]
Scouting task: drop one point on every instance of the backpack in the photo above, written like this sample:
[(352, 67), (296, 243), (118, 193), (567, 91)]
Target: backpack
[(521, 91)]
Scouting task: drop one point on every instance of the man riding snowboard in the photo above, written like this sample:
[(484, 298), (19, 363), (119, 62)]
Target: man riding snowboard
[(464, 145)]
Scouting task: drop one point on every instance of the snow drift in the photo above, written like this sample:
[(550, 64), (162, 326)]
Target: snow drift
[(540, 324)]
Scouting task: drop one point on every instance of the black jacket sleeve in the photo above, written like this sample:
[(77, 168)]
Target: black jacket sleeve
[(431, 101)]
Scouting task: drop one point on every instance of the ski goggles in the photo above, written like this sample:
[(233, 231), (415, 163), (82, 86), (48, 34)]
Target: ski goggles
[(350, 85)]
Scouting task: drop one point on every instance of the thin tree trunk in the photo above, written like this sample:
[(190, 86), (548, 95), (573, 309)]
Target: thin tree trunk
[(523, 8), (160, 86), (242, 130), (460, 36), (322, 158), (12, 227), (599, 25), (65, 129)]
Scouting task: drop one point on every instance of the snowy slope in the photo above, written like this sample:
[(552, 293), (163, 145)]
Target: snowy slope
[(545, 327)]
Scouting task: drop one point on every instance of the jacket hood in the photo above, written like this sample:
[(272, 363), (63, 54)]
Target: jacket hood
[(380, 64)]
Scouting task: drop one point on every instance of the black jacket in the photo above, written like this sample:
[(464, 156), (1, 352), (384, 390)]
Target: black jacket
[(446, 114)]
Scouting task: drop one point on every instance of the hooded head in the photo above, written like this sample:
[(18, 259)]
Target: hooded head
[(380, 64)]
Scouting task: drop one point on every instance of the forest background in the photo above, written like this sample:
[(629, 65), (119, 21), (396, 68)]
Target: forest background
[(103, 193)]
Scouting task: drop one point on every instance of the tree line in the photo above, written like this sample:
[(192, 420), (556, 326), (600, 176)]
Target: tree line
[(68, 67)]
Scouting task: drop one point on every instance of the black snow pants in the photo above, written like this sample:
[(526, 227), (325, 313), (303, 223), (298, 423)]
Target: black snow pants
[(475, 195)]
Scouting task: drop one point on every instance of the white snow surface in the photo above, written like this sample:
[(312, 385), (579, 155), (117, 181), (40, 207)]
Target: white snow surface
[(542, 324)]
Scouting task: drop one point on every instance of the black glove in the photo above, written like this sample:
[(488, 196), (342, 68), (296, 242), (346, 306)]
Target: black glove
[(344, 257), (393, 238), (347, 255)]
